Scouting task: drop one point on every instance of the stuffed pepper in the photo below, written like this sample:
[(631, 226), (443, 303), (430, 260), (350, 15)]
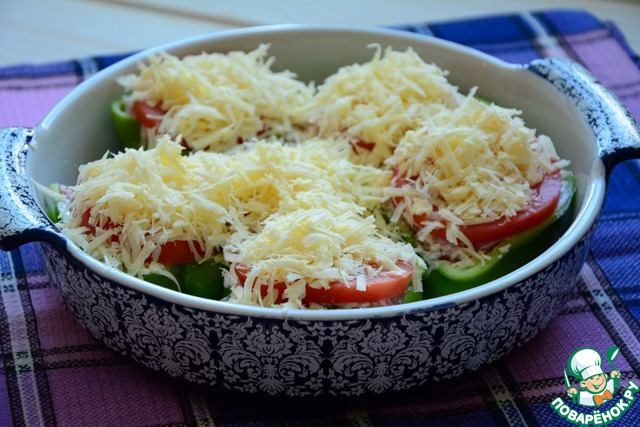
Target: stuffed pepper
[(270, 224), (476, 185), (209, 101)]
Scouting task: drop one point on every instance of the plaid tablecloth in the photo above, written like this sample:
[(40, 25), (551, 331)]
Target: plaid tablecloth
[(52, 372)]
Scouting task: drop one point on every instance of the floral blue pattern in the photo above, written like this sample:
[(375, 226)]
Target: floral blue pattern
[(296, 357), (616, 131), (21, 219)]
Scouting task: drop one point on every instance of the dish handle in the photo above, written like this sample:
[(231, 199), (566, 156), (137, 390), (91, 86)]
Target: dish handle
[(616, 131), (21, 219)]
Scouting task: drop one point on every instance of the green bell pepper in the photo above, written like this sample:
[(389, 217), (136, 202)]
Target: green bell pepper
[(412, 296), (51, 208), (524, 247), (125, 125), (161, 280), (203, 279)]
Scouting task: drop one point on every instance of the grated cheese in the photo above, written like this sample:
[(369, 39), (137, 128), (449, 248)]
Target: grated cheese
[(222, 202), (471, 164), (296, 208), (378, 101), (314, 247), (214, 100)]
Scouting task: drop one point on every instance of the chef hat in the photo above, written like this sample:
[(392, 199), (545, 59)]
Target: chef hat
[(585, 363)]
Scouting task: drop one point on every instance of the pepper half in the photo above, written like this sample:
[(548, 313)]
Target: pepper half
[(524, 247)]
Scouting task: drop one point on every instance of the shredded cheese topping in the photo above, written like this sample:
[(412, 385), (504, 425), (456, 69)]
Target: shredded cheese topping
[(471, 164), (375, 103), (223, 202), (214, 100), (298, 208), (314, 247)]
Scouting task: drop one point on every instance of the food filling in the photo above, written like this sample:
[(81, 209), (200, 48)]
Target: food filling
[(345, 194)]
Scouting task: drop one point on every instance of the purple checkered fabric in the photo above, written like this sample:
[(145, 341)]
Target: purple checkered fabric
[(52, 372)]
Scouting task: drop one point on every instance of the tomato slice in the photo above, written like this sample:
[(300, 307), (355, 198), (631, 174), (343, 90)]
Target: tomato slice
[(178, 252), (362, 145), (171, 253), (541, 206), (381, 287), (148, 116), (92, 228)]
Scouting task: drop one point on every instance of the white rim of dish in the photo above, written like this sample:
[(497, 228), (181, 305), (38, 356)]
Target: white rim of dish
[(585, 218)]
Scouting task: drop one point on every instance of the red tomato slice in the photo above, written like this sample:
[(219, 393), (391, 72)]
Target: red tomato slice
[(92, 228), (542, 205), (147, 115), (364, 145), (171, 253), (178, 252), (382, 287)]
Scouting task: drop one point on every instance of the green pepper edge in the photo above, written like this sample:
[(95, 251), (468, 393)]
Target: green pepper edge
[(536, 241), (126, 126), (182, 271), (566, 193), (50, 206)]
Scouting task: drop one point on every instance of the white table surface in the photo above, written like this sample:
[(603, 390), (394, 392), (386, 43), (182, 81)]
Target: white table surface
[(36, 31)]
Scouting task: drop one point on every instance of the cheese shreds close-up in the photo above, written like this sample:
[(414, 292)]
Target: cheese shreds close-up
[(314, 247), (372, 105), (302, 185), (468, 165), (150, 197), (214, 100)]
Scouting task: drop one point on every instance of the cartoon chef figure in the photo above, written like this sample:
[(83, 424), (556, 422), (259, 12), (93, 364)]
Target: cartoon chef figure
[(585, 364)]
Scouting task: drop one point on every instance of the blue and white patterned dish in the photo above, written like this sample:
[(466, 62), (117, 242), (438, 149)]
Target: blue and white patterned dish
[(351, 352)]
